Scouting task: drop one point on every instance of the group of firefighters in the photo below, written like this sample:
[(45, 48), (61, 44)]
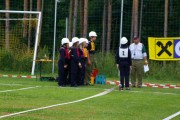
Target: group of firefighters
[(76, 60)]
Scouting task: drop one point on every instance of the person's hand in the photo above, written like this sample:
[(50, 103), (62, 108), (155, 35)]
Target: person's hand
[(130, 67), (145, 62), (89, 62), (65, 66), (80, 65), (117, 65)]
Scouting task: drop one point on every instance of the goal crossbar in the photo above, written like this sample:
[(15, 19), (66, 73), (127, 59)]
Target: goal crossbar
[(22, 12), (19, 19), (37, 31)]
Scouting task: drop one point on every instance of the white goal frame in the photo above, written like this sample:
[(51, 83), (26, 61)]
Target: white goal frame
[(37, 31)]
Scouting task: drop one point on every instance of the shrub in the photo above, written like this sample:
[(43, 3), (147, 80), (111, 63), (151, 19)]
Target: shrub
[(106, 65), (7, 61)]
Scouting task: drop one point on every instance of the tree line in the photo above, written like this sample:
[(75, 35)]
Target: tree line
[(144, 18)]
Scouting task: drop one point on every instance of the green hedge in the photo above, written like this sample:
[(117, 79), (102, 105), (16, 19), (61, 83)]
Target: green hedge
[(21, 62)]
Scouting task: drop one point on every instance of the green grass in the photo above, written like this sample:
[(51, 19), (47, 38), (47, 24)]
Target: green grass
[(136, 104)]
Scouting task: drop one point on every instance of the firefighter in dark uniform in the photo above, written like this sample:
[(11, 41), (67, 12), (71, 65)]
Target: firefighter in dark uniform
[(75, 62), (124, 62), (69, 65), (84, 57), (63, 62)]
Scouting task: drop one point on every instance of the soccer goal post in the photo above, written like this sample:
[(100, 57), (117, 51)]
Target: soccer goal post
[(19, 14)]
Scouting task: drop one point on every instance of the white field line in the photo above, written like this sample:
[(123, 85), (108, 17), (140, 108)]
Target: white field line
[(5, 84), (18, 89), (10, 84), (172, 116), (13, 84), (94, 96), (163, 93)]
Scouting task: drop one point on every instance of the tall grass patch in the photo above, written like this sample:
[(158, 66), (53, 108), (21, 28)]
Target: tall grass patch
[(159, 71), (20, 61), (106, 65)]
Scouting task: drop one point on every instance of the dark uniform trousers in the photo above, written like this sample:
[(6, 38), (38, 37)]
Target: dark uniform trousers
[(124, 73), (63, 73)]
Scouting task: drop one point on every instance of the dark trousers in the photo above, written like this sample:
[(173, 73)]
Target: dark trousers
[(74, 74), (63, 73), (82, 74), (124, 74)]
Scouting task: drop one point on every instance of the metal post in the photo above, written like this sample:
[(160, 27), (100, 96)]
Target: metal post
[(66, 27), (54, 45), (122, 5)]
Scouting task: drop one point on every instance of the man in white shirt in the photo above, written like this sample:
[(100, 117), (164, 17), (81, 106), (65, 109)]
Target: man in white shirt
[(138, 54)]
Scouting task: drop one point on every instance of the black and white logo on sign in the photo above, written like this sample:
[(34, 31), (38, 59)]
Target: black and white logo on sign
[(164, 48)]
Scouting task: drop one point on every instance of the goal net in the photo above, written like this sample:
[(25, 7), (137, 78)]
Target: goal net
[(19, 35)]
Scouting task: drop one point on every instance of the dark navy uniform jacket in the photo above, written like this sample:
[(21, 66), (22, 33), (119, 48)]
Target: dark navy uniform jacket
[(123, 60), (64, 56)]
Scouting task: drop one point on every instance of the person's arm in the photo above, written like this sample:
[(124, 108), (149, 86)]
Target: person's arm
[(62, 55), (117, 59), (80, 57), (89, 46), (145, 61), (144, 55), (130, 59), (88, 58)]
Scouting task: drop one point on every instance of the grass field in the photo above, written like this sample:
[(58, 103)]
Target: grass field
[(18, 95)]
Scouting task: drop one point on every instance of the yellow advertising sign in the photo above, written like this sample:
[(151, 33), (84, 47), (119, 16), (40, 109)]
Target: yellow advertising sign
[(164, 48)]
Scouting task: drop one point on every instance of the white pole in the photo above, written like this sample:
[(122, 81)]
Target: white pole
[(54, 45), (36, 44), (66, 27), (122, 5)]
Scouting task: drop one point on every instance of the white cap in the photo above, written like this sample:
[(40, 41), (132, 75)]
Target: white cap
[(81, 40), (123, 40), (92, 34), (64, 40), (70, 44), (86, 40), (75, 39)]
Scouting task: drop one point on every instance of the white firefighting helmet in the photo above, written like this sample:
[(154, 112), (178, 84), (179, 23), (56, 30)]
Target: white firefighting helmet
[(75, 39), (123, 40), (64, 40), (81, 40), (92, 34), (86, 40)]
